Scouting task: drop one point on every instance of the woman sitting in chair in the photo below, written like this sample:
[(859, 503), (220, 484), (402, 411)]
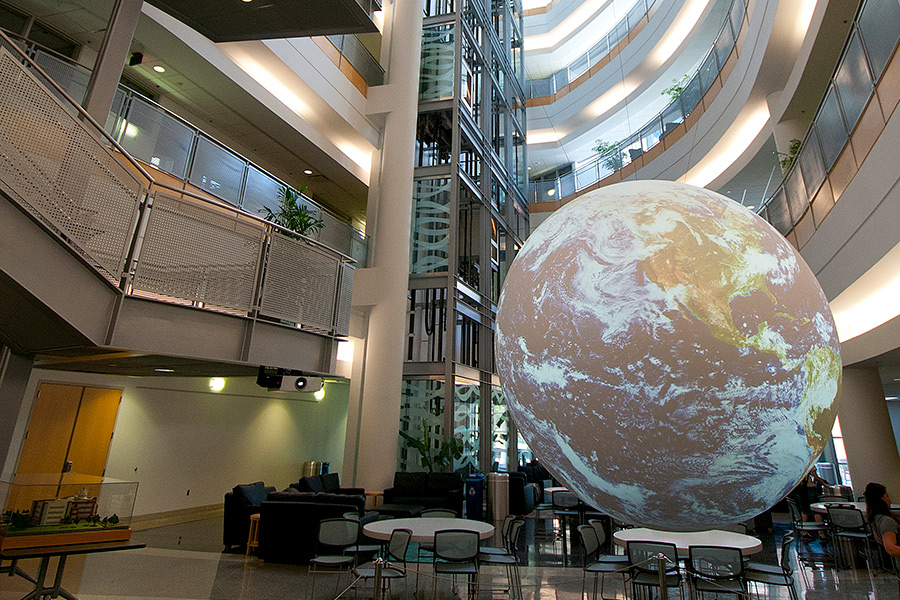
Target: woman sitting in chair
[(883, 523)]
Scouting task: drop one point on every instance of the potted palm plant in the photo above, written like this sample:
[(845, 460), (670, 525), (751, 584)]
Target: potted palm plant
[(291, 214)]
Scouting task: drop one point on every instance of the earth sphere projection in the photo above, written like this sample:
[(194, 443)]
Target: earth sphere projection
[(667, 355)]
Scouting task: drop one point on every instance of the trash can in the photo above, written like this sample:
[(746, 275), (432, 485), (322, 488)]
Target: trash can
[(498, 496), (325, 467), (310, 468), (475, 496)]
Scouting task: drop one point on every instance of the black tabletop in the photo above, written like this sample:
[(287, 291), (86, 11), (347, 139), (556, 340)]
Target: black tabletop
[(66, 550)]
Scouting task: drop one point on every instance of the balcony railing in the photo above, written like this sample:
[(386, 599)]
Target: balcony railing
[(359, 57), (548, 86), (158, 137), (825, 162), (623, 153), (149, 238)]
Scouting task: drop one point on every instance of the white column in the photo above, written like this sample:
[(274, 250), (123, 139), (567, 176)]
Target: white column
[(14, 373), (868, 436), (383, 286), (113, 53)]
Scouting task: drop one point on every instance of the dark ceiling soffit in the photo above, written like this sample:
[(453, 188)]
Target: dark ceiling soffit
[(235, 21)]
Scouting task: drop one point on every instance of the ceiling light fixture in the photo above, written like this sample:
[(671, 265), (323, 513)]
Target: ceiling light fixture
[(164, 370), (307, 171), (159, 68)]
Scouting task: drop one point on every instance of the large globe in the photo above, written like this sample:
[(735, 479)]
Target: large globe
[(668, 356)]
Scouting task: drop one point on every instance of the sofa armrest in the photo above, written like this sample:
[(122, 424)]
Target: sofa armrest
[(390, 495), (352, 491)]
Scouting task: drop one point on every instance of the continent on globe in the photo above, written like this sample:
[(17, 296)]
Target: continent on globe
[(668, 355)]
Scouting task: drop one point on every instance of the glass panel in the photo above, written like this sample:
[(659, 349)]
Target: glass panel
[(690, 96), (810, 160), (878, 26), (261, 190), (671, 117), (72, 78), (468, 340), (586, 175), (499, 430), (853, 82), (578, 66), (438, 7), (156, 138), (540, 87), (465, 426), (724, 44), (795, 192), (433, 139), (468, 240), (708, 72), (436, 80), (427, 318), (431, 226), (560, 79), (217, 171), (567, 185), (831, 129), (737, 15), (778, 213), (650, 134), (421, 418)]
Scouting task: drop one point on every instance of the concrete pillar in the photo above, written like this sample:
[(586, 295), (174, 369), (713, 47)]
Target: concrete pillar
[(868, 436), (14, 373), (389, 219), (107, 71)]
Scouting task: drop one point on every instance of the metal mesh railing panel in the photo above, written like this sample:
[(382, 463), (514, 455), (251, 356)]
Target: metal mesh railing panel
[(198, 254), (56, 168), (300, 283), (345, 299)]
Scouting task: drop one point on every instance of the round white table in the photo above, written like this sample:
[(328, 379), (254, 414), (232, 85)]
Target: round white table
[(747, 544), (423, 528), (822, 507)]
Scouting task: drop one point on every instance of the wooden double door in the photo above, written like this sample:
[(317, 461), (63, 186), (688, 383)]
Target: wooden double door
[(67, 442)]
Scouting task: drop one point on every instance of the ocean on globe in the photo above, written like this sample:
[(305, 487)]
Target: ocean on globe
[(668, 356)]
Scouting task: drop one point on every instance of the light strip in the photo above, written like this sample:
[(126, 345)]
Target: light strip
[(568, 25), (730, 146), (542, 136), (871, 300), (677, 32)]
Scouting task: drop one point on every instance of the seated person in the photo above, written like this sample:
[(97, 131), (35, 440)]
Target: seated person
[(807, 493), (882, 522)]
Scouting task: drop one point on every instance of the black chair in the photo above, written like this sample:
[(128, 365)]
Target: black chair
[(509, 558), (594, 563), (456, 553), (565, 507), (849, 527), (800, 526), (395, 554), (781, 575), (644, 558), (335, 536), (716, 569)]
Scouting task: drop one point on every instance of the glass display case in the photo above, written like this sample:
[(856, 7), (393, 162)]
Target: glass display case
[(70, 508)]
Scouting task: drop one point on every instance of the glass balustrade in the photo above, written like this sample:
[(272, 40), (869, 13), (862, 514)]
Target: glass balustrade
[(160, 138), (547, 86), (633, 147), (870, 44)]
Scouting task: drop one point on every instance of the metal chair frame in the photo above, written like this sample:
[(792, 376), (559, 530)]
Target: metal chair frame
[(781, 575), (333, 534), (456, 563), (716, 569)]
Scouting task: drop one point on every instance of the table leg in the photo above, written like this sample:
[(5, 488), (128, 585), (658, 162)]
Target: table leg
[(38, 590)]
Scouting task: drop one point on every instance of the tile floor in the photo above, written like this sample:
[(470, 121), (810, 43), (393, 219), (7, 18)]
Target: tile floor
[(186, 562)]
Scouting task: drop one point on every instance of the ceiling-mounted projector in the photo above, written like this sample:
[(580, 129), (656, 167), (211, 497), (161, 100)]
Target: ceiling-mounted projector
[(293, 383)]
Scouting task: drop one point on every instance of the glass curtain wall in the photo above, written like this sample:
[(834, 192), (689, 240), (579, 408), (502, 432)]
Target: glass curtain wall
[(470, 216)]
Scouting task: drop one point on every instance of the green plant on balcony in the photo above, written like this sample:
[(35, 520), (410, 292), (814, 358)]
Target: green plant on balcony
[(611, 157), (291, 214), (435, 454), (677, 87), (787, 158)]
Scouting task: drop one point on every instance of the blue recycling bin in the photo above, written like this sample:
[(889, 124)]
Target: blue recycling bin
[(475, 496)]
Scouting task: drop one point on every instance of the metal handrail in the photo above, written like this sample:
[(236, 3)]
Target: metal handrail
[(591, 60), (616, 156), (812, 136)]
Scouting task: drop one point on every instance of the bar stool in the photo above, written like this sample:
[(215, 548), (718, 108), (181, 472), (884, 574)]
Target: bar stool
[(253, 535)]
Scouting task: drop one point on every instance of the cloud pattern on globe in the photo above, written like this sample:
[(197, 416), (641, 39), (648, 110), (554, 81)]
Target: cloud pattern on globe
[(668, 355)]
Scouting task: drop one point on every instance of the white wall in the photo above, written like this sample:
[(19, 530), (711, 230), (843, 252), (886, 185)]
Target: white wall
[(173, 435)]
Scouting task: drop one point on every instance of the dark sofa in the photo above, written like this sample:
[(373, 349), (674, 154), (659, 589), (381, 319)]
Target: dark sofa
[(241, 502), (431, 490), (329, 483), (289, 522)]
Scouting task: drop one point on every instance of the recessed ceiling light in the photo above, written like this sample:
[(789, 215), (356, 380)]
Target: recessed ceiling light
[(159, 68), (307, 171), (164, 370), (551, 192)]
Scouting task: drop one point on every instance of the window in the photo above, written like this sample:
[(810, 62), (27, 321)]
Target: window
[(841, 453)]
